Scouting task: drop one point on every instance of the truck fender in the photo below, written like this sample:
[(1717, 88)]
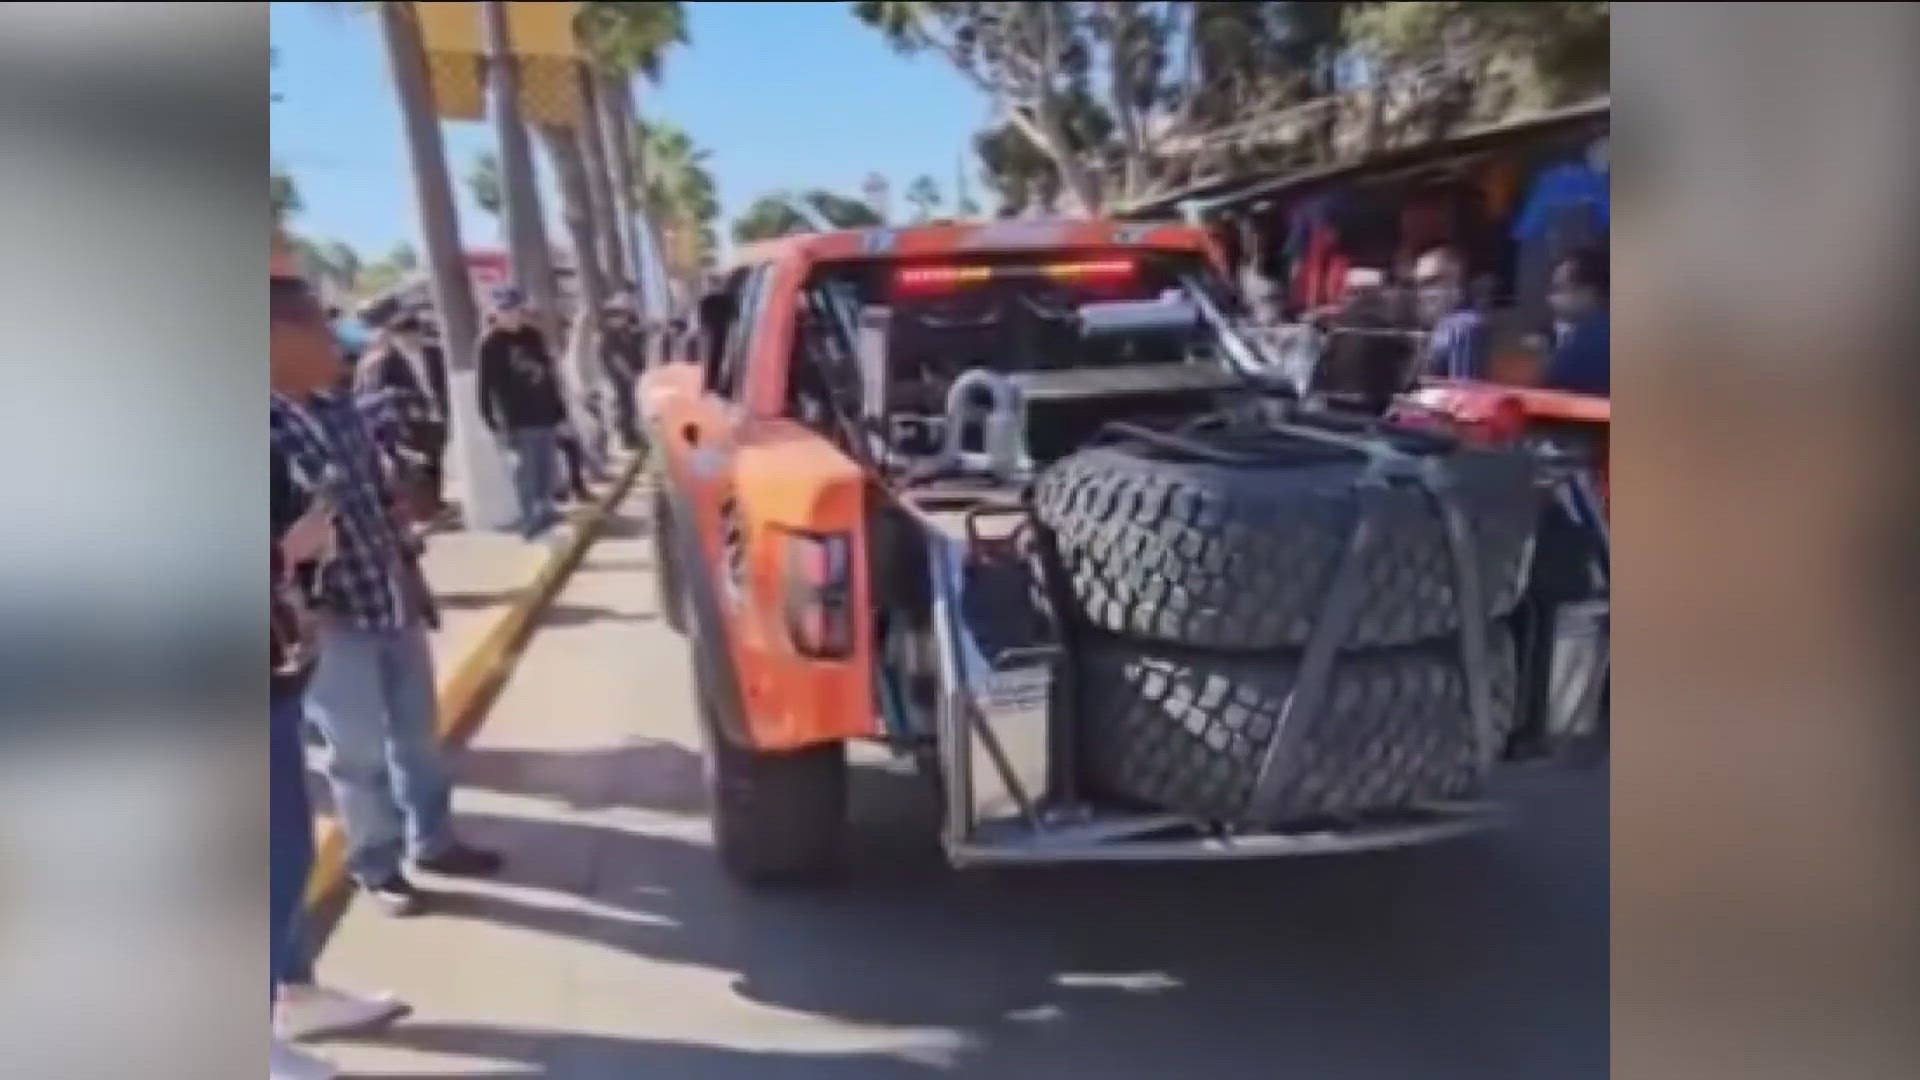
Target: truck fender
[(715, 671)]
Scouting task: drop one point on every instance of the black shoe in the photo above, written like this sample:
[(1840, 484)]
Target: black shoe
[(396, 896), (461, 861)]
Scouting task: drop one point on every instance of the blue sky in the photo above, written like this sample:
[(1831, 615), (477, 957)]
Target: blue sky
[(785, 95)]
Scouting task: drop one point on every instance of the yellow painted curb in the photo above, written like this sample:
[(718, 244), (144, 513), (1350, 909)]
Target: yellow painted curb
[(465, 696)]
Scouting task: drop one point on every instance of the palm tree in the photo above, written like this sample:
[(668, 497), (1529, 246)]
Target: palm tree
[(595, 152), (624, 39), (576, 205), (678, 199)]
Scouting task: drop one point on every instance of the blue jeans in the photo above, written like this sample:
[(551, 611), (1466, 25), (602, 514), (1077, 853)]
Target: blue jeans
[(290, 841), (535, 473), (373, 698)]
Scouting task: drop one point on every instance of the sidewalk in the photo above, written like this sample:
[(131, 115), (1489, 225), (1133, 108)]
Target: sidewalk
[(490, 587)]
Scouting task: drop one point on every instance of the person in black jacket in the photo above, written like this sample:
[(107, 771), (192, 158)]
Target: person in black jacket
[(520, 401), (624, 348)]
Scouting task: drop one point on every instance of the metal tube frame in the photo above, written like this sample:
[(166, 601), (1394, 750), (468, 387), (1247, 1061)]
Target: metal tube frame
[(1084, 834)]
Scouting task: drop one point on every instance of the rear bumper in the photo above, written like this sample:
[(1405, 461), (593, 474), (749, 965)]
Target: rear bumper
[(1160, 838)]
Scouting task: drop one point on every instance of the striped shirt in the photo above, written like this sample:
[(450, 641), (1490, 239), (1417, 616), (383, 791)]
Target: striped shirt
[(1457, 347), (363, 583)]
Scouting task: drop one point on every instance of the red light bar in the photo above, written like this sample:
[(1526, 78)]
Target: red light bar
[(1091, 268), (945, 278), (939, 278)]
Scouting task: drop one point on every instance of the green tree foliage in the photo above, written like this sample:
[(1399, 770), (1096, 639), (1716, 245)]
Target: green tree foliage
[(632, 36), (1110, 93), (344, 260), (378, 277), (840, 211), (1556, 51), (1106, 103), (677, 192), (785, 214), (924, 196), (1020, 174), (484, 183), (767, 217), (283, 195)]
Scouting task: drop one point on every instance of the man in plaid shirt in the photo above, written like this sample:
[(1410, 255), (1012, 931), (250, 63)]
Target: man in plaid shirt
[(372, 692), (402, 383)]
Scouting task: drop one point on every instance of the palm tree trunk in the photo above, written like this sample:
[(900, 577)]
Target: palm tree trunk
[(488, 500), (520, 191), (594, 142), (576, 203), (577, 209), (617, 107), (668, 302)]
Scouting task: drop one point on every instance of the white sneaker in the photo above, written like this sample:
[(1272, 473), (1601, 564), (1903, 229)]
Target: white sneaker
[(288, 1062), (307, 1012)]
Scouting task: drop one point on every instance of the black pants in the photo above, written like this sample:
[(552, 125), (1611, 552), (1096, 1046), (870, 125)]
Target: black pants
[(428, 443), (575, 457), (625, 418)]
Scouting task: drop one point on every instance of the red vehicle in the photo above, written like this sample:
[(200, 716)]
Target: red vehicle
[(1010, 500)]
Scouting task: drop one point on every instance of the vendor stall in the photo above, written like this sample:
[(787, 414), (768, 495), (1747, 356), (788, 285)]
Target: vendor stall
[(1510, 201)]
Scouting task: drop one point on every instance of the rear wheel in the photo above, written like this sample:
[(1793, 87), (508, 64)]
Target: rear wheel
[(778, 817)]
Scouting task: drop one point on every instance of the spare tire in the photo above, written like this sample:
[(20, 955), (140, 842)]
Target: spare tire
[(1187, 731), (1162, 547)]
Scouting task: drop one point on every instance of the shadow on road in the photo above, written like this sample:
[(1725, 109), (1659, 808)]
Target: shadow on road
[(474, 601), (617, 566), (646, 774), (546, 1055), (581, 614), (1482, 958), (626, 526)]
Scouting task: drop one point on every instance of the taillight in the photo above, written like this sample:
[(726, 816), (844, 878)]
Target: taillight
[(819, 594)]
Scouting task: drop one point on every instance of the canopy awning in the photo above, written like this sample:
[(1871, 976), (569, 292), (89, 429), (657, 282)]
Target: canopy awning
[(1215, 195)]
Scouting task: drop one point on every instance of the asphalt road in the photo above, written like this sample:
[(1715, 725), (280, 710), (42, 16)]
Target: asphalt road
[(614, 948)]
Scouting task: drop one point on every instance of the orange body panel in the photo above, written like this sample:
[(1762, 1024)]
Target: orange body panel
[(788, 479), (739, 463), (1478, 400), (1471, 402)]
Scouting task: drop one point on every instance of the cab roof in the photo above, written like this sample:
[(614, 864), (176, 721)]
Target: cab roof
[(921, 241)]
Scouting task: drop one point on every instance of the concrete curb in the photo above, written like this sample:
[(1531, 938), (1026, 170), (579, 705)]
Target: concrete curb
[(465, 695)]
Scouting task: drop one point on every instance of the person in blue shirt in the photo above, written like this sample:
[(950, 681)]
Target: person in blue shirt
[(1582, 354), (1456, 346)]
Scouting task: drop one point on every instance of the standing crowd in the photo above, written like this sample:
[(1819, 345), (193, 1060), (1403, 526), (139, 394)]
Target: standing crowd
[(1483, 262), (357, 480)]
